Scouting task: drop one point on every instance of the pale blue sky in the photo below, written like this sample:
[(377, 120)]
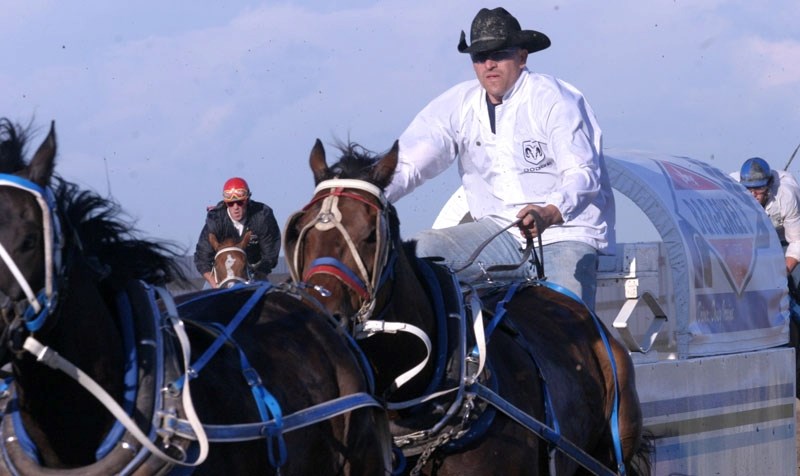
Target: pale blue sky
[(160, 102)]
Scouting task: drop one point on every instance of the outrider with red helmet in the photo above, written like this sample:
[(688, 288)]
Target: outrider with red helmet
[(235, 189)]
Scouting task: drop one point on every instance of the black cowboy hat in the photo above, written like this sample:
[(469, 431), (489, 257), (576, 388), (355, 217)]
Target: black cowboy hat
[(496, 30)]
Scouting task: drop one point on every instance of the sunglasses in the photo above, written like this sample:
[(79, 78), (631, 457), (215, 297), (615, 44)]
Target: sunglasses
[(241, 203), (496, 56)]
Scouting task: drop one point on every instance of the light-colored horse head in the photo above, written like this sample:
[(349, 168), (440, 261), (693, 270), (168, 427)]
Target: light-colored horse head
[(230, 260)]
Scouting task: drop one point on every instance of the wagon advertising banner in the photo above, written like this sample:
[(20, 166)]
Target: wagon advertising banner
[(727, 265)]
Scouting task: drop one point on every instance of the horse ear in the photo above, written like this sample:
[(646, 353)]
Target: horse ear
[(290, 236), (41, 167), (383, 171), (212, 238), (317, 162), (245, 239)]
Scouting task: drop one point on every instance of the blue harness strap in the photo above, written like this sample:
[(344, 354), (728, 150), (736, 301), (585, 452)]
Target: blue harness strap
[(268, 407), (295, 421), (499, 311), (546, 433), (131, 375), (347, 273), (248, 306), (499, 315), (441, 324), (551, 432), (614, 418)]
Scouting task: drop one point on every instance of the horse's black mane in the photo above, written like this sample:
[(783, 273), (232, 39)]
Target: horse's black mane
[(13, 141), (93, 225), (358, 163), (97, 222)]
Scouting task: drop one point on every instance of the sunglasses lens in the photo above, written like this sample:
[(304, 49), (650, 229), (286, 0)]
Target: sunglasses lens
[(498, 55), (237, 202)]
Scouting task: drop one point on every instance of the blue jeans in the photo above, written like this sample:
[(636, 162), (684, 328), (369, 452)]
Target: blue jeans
[(571, 264)]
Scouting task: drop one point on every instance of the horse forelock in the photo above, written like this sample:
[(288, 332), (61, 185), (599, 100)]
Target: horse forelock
[(356, 162)]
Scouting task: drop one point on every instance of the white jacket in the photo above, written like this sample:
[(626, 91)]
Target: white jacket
[(548, 150), (783, 208)]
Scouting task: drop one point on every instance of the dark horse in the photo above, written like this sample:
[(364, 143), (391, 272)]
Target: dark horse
[(468, 385), (282, 388)]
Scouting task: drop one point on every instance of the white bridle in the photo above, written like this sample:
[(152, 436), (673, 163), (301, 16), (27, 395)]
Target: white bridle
[(330, 217)]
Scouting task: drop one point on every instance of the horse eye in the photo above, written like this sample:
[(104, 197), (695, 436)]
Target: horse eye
[(372, 237), (30, 241)]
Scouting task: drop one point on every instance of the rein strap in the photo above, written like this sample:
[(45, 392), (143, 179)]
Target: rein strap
[(52, 359)]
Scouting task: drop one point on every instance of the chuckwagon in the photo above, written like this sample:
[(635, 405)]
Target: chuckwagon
[(704, 313)]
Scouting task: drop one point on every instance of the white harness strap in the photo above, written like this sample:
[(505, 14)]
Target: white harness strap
[(52, 359), (352, 183), (26, 288), (480, 337), (371, 328), (324, 222)]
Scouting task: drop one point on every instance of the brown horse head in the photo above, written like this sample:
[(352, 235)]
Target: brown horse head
[(339, 243), (230, 260)]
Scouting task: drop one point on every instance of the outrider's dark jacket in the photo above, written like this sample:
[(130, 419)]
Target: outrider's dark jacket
[(265, 241)]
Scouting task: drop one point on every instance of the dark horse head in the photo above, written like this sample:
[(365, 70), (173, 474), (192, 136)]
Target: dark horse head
[(65, 253), (81, 283), (437, 349)]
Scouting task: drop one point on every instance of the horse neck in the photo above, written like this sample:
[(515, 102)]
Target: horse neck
[(405, 300), (65, 422), (409, 288)]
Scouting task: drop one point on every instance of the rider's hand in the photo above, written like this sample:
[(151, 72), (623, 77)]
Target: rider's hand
[(550, 215), (790, 264), (209, 277)]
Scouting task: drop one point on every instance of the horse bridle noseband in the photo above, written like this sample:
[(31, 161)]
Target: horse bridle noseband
[(43, 303)]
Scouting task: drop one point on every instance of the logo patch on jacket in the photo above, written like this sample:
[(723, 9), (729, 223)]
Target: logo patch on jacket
[(533, 152)]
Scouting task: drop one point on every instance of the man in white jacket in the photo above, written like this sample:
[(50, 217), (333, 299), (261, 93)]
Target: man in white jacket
[(524, 142), (778, 192)]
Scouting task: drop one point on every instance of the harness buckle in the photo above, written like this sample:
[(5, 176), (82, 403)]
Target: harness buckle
[(169, 421), (251, 376), (321, 290)]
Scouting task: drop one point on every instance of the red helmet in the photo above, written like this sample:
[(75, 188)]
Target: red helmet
[(235, 189)]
